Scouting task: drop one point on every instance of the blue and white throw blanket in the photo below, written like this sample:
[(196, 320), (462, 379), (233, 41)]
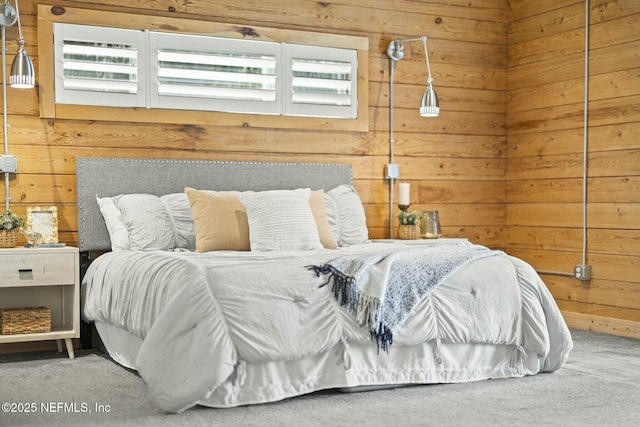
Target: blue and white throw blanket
[(383, 288)]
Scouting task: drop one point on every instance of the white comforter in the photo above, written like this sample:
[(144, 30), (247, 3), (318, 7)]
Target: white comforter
[(207, 321)]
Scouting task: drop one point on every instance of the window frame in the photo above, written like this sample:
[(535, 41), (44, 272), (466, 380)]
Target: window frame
[(47, 15)]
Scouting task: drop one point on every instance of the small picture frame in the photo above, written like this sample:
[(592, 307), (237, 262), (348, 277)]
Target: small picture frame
[(43, 220)]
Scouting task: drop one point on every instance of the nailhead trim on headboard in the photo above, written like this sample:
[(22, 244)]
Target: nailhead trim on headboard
[(106, 177)]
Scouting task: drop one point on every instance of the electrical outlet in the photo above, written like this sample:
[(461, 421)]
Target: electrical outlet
[(582, 272), (392, 171), (8, 164)]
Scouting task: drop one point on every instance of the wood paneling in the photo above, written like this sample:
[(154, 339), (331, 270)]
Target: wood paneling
[(503, 162), (602, 323), (545, 155), (456, 161), (622, 189)]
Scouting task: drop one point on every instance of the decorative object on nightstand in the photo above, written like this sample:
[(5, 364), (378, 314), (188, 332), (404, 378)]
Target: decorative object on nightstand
[(430, 225), (25, 320), (33, 237), (8, 238), (409, 225), (42, 221), (409, 220), (404, 198), (10, 224)]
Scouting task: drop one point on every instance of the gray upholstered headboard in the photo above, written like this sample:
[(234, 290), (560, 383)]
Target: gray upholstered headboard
[(107, 177)]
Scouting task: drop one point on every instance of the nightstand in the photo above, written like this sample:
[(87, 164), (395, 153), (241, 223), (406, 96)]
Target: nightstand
[(43, 277)]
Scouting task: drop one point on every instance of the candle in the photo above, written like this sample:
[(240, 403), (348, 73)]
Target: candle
[(403, 196)]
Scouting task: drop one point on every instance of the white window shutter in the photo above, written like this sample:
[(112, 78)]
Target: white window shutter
[(215, 74), (115, 67), (99, 66), (321, 81)]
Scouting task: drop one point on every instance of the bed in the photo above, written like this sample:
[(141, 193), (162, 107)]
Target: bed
[(221, 304)]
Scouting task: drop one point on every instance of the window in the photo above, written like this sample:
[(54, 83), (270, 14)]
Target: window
[(155, 69), (104, 62), (215, 74), (109, 67), (322, 81)]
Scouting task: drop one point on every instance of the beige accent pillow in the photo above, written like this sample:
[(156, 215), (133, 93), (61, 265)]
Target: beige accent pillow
[(220, 221), (316, 201)]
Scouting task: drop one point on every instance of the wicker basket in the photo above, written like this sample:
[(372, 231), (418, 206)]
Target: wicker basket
[(25, 320), (408, 232), (8, 238)]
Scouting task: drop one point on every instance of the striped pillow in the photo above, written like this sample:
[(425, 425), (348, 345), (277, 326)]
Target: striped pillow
[(281, 220)]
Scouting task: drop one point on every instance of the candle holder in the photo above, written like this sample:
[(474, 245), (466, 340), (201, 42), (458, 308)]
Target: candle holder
[(404, 196), (430, 225)]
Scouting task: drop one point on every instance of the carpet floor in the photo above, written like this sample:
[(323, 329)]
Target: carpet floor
[(599, 386)]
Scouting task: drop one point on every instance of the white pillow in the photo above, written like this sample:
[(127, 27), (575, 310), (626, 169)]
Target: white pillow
[(331, 210), (115, 224), (280, 220), (179, 209), (148, 222), (348, 214)]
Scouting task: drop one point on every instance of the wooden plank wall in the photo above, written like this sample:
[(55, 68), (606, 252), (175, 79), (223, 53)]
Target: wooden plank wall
[(455, 162), (502, 163), (545, 110)]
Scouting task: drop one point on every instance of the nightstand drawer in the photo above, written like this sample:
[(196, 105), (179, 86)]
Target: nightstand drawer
[(37, 269)]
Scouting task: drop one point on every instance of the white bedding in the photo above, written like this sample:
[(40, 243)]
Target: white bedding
[(232, 328)]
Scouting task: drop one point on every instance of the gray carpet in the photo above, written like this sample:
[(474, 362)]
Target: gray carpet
[(599, 386)]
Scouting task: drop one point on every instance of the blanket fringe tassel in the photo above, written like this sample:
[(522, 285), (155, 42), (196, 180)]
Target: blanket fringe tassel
[(383, 337), (367, 311), (343, 287)]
